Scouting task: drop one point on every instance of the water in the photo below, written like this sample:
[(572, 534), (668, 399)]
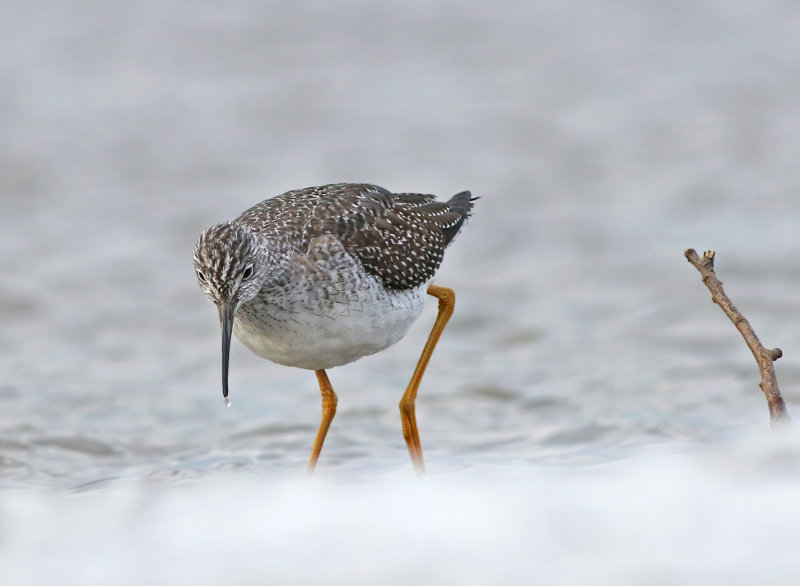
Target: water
[(589, 414)]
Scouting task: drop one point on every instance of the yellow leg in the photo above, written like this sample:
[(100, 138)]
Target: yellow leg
[(447, 302), (328, 411)]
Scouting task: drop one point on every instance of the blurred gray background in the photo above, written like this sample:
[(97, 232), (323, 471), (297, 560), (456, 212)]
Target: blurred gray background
[(603, 139)]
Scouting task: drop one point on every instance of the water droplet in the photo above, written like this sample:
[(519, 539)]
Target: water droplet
[(227, 402)]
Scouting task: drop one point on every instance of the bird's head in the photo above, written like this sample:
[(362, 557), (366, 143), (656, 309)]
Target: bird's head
[(230, 271), (227, 265)]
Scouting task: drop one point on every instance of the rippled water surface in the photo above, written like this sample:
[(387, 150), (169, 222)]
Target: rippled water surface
[(586, 403)]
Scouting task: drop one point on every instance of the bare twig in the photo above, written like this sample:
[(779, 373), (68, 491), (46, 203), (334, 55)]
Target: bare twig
[(778, 415)]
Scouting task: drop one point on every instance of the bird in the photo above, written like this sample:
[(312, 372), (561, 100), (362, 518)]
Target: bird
[(319, 277)]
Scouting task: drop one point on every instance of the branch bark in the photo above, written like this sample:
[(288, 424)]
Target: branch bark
[(778, 415)]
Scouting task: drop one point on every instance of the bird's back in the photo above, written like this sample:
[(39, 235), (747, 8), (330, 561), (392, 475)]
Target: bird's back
[(398, 238)]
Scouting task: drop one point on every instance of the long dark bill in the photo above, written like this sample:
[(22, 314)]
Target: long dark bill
[(226, 322)]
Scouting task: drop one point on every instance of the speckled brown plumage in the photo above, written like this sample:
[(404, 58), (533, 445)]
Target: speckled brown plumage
[(398, 238)]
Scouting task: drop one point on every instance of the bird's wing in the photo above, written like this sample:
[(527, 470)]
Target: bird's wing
[(398, 238)]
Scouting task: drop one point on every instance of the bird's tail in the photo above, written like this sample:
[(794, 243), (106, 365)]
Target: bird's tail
[(460, 207)]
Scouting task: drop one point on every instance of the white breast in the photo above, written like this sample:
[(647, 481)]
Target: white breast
[(322, 330)]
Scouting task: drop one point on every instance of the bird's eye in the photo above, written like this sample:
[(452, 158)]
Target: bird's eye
[(201, 277), (248, 272)]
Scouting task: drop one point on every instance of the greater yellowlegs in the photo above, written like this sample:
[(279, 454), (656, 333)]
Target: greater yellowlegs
[(321, 276)]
